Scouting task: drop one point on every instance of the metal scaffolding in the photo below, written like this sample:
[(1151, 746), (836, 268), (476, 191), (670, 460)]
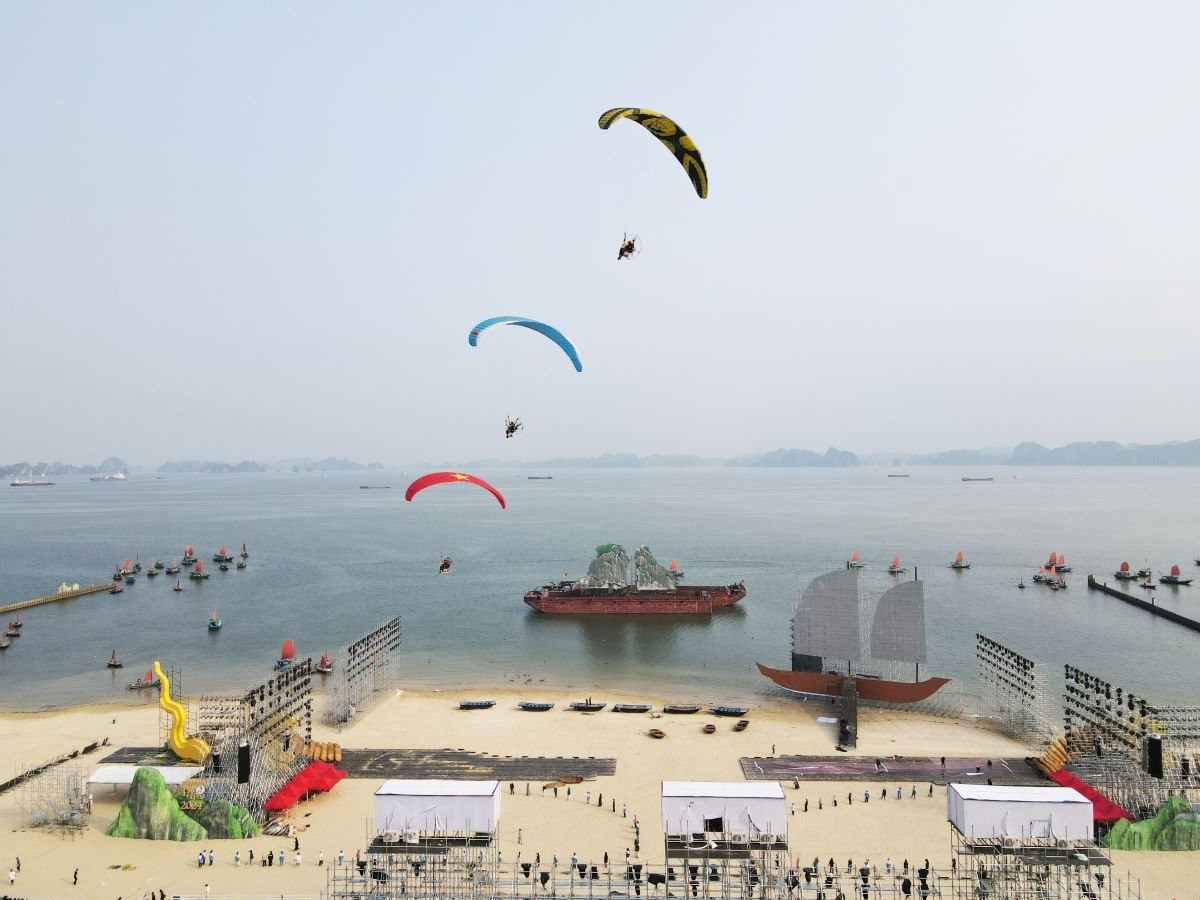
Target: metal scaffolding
[(1015, 691), (368, 667), (422, 865), (55, 798), (1008, 868)]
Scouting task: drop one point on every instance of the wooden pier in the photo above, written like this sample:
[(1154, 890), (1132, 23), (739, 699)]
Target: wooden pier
[(1152, 608), (64, 595)]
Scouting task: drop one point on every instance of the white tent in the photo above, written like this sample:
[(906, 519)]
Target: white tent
[(737, 807), (403, 804), (984, 810)]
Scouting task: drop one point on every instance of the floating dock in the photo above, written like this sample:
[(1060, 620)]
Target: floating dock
[(63, 595), (1152, 608)]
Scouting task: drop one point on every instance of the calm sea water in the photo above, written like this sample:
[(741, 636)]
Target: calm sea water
[(330, 562)]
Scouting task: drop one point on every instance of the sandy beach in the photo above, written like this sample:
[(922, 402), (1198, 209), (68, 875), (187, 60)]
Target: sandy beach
[(911, 828)]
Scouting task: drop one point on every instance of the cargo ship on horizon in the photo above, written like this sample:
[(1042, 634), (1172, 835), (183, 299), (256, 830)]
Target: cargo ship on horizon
[(607, 588)]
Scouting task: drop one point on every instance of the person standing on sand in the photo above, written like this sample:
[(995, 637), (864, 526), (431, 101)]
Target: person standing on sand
[(931, 789), (589, 798), (75, 877), (519, 838), (806, 804), (12, 875), (556, 792), (321, 858), (624, 811), (793, 807), (512, 789), (237, 858), (527, 789), (297, 859), (251, 856), (207, 890), (819, 806)]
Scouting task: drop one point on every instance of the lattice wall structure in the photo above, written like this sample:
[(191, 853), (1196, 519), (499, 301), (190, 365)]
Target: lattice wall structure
[(218, 717), (57, 798), (1107, 728), (279, 711), (1034, 869), (1014, 691), (369, 667)]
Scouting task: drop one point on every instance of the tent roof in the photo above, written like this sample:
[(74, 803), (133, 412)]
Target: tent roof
[(1010, 793), (123, 774), (437, 787), (732, 789)]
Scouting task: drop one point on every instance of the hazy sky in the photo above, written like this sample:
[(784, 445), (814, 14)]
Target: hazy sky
[(261, 230)]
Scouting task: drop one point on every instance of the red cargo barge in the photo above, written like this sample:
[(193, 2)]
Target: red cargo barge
[(569, 597)]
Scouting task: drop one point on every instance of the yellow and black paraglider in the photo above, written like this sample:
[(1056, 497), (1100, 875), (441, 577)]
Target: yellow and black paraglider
[(511, 427), (444, 566), (674, 138)]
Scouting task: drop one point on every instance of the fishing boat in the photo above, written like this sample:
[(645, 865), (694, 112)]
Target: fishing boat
[(158, 564), (224, 567), (151, 572), (674, 569), (178, 587), (245, 554), (680, 709), (12, 632), (146, 681), (198, 573), (848, 626), (987, 478), (4, 643), (325, 666), (1021, 584), (1174, 578), (587, 706), (741, 724), (137, 565), (129, 579), (116, 588), (897, 476), (189, 556), (1059, 562), (32, 482), (241, 564), (222, 556), (16, 623), (616, 585), (214, 624), (895, 568), (1123, 573), (1149, 585), (632, 707), (173, 568), (731, 711), (287, 655), (710, 728), (657, 733), (959, 563), (535, 706), (113, 662), (1040, 577), (476, 704), (1144, 572), (855, 562)]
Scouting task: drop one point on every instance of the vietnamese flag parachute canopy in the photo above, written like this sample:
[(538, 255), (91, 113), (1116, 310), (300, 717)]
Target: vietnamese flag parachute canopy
[(449, 477)]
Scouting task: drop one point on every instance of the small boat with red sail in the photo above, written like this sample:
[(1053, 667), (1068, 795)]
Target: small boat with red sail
[(1124, 573), (198, 573), (189, 556), (146, 681), (1174, 578), (855, 562), (214, 624), (173, 568), (16, 623), (1058, 561), (895, 568), (113, 662), (325, 666), (287, 655), (959, 563), (222, 556)]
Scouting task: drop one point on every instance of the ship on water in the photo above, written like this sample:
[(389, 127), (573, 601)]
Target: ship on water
[(615, 584), (32, 482), (846, 626)]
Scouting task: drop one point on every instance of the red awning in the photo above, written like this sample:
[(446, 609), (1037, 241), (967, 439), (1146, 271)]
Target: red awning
[(1103, 809), (316, 776)]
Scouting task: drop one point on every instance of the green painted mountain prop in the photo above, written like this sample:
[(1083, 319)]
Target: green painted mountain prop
[(1175, 827), (223, 819), (149, 811)]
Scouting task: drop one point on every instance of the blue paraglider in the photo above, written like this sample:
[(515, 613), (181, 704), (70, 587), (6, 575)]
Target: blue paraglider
[(540, 327)]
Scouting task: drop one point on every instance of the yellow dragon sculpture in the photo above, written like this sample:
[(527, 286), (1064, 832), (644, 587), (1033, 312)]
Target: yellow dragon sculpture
[(191, 749)]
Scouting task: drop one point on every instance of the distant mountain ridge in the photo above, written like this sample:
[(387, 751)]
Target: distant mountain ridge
[(110, 466)]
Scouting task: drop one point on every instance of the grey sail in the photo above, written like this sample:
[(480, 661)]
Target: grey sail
[(609, 569), (827, 621), (648, 575), (898, 629)]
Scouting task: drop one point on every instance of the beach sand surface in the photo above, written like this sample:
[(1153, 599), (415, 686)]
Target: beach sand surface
[(910, 828)]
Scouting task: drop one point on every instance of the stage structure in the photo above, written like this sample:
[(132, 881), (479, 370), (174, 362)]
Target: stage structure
[(56, 797), (366, 668), (1135, 753), (258, 739), (1015, 691)]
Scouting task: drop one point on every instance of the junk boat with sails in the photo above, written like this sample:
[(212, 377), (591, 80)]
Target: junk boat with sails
[(844, 626), (614, 584)]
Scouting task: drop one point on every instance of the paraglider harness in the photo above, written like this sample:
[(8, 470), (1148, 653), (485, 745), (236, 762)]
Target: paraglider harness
[(445, 564), (630, 247), (511, 427)]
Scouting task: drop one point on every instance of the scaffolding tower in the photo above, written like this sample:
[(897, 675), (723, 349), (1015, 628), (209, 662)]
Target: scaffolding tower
[(367, 667), (1025, 868), (421, 865), (1015, 691), (55, 798)]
